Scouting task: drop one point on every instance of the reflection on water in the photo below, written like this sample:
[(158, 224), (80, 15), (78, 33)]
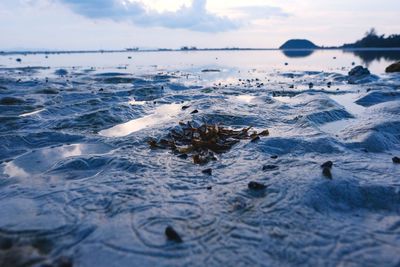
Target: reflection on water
[(298, 53), (41, 160), (161, 114), (369, 56)]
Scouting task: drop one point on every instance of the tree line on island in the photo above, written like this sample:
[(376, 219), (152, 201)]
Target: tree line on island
[(370, 40)]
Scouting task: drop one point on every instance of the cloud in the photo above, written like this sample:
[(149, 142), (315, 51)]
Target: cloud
[(194, 17), (260, 12)]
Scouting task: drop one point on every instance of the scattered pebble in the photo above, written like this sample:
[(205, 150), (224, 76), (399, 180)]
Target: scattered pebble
[(327, 164), (172, 234), (326, 169), (256, 186), (207, 171), (194, 111), (270, 167), (396, 160)]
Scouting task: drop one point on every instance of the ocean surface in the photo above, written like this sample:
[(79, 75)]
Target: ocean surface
[(79, 182)]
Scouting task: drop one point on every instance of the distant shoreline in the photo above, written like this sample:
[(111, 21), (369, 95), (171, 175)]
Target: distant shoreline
[(9, 53)]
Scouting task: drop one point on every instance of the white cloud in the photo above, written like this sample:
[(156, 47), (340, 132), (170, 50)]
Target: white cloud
[(194, 17)]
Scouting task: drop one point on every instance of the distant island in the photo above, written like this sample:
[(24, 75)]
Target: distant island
[(373, 40), (298, 44), (369, 41)]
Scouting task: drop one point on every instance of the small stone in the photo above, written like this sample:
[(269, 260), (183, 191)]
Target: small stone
[(310, 85), (327, 164), (194, 111), (172, 234), (207, 171), (286, 63), (270, 167), (209, 187), (185, 107), (256, 186), (183, 156), (274, 157), (326, 171), (396, 160)]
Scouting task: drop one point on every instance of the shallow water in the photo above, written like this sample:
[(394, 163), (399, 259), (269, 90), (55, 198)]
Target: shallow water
[(78, 178)]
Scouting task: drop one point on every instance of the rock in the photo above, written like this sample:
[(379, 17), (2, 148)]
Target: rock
[(274, 157), (327, 172), (207, 171), (396, 160), (327, 164), (172, 234), (310, 85), (61, 72), (194, 111), (185, 107), (209, 187), (256, 186), (395, 67), (326, 169), (359, 71), (270, 167), (18, 60), (358, 74)]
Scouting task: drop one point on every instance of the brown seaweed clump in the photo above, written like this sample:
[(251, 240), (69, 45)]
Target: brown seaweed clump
[(203, 142)]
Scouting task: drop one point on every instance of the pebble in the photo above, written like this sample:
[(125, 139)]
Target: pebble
[(256, 186), (172, 234)]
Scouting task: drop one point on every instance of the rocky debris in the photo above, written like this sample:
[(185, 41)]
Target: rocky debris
[(172, 234), (358, 74), (396, 160), (61, 72), (270, 167), (207, 171), (326, 169), (359, 71), (203, 141), (327, 164), (256, 186), (395, 67), (185, 107), (194, 111)]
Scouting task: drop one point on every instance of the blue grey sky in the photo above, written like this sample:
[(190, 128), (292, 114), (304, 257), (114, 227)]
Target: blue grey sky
[(115, 24)]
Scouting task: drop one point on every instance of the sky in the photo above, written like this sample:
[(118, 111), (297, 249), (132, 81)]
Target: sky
[(118, 24)]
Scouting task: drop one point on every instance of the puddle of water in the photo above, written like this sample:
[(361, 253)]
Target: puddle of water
[(138, 103), (284, 99), (336, 126), (242, 98), (348, 102), (38, 161), (161, 114)]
